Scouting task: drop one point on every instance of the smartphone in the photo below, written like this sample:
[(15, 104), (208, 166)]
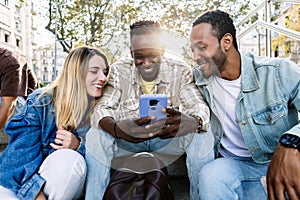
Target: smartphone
[(151, 105)]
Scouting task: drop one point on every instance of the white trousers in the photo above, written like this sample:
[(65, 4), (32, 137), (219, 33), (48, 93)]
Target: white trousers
[(64, 171)]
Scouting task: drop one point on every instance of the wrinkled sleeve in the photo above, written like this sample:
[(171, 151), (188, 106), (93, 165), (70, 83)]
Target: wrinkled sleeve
[(109, 103), (191, 99), (20, 161)]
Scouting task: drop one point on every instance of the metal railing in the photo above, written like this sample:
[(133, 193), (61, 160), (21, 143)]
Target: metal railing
[(266, 23)]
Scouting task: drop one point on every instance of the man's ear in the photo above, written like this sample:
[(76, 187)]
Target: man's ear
[(162, 51), (226, 41)]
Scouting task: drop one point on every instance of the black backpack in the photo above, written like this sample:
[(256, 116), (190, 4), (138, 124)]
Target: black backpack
[(139, 177)]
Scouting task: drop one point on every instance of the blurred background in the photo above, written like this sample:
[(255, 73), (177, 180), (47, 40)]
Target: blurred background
[(41, 33)]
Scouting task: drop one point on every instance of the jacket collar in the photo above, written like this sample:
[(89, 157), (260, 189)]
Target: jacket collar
[(249, 78)]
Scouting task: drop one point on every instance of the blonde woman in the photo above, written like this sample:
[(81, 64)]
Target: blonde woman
[(45, 155)]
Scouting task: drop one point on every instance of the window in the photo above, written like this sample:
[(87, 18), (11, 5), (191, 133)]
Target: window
[(18, 25), (287, 21), (18, 11), (18, 42), (6, 38), (6, 2)]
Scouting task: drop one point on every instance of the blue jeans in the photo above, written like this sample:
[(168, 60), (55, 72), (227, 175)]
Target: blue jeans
[(226, 178), (101, 148)]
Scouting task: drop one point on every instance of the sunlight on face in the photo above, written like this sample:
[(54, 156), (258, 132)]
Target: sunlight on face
[(147, 51)]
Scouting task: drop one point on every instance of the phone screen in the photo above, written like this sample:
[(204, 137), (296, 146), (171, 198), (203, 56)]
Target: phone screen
[(151, 105)]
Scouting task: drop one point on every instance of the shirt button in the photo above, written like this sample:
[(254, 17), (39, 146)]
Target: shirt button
[(269, 117)]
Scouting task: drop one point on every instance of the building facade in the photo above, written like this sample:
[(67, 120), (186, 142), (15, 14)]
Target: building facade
[(16, 29), (22, 32), (49, 63)]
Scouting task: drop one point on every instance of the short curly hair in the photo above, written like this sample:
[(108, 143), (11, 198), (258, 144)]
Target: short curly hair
[(221, 24), (144, 27)]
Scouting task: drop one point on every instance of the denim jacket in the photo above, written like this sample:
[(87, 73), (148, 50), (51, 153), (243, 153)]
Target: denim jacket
[(31, 131), (268, 103)]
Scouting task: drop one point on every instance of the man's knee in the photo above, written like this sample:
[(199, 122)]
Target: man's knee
[(202, 145), (97, 137), (214, 172)]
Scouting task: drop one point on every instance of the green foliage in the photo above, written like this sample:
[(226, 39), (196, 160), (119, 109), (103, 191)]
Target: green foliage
[(291, 21), (42, 84), (103, 23)]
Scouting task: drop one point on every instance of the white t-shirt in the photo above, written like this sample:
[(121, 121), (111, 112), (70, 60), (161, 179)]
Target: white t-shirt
[(225, 97)]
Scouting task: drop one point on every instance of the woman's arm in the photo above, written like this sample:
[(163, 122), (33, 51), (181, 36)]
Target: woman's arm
[(22, 157)]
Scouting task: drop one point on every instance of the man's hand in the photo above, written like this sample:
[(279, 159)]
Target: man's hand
[(283, 177), (65, 140), (131, 130), (177, 124)]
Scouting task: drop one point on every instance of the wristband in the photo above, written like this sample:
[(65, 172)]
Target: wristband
[(200, 123), (115, 132)]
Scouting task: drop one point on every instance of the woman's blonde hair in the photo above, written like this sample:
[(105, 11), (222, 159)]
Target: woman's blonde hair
[(69, 92)]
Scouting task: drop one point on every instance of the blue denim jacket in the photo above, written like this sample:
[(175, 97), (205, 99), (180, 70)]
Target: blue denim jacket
[(268, 103), (31, 131)]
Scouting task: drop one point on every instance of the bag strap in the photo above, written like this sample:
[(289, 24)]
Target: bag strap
[(143, 154)]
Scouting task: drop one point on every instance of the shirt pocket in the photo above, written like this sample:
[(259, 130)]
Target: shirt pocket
[(271, 123), (129, 109)]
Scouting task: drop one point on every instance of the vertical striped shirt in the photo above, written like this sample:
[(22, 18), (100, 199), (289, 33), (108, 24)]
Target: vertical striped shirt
[(120, 98)]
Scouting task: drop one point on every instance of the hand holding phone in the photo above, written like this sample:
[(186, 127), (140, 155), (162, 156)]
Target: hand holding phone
[(152, 104)]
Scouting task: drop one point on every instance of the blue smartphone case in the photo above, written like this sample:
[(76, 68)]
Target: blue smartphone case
[(151, 105)]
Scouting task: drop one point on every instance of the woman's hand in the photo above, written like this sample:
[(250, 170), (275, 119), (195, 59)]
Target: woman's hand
[(65, 140)]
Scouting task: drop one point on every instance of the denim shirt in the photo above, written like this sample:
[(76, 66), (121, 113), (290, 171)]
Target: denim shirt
[(267, 106), (31, 131)]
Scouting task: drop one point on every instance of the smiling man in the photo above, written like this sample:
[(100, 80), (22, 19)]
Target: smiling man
[(254, 105), (117, 127)]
